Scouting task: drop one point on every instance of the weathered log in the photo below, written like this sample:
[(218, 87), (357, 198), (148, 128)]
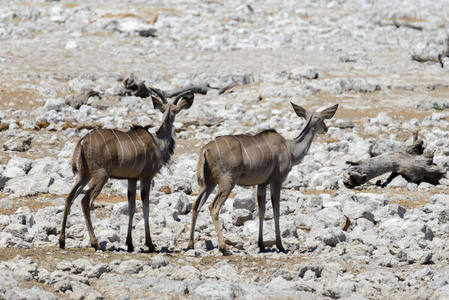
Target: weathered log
[(398, 24), (196, 89), (200, 89), (138, 89), (409, 162), (135, 89), (82, 98)]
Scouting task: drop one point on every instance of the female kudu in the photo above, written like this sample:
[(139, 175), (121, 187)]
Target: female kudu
[(133, 155), (247, 160)]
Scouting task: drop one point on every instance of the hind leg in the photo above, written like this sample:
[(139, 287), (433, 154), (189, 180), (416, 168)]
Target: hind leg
[(224, 189), (76, 190), (86, 203), (199, 202)]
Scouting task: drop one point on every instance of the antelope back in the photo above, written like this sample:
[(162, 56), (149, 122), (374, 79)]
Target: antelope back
[(121, 154)]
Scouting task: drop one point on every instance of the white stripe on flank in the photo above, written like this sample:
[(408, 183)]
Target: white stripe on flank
[(121, 146), (230, 149), (79, 156), (272, 153), (107, 147), (244, 149), (143, 147), (219, 155), (90, 143), (257, 143), (135, 149)]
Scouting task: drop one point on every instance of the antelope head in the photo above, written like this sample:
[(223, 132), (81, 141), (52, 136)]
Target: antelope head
[(182, 101), (316, 119)]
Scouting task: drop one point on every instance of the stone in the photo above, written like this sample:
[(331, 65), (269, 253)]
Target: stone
[(356, 211), (313, 204), (159, 261), (304, 72), (425, 51), (186, 273), (398, 182), (55, 104), (443, 217), (62, 286), (240, 216), (20, 144), (279, 283), (80, 265), (16, 229), (97, 270), (215, 290), (4, 220), (222, 271), (331, 216), (389, 211), (332, 236), (128, 267), (244, 200), (419, 256)]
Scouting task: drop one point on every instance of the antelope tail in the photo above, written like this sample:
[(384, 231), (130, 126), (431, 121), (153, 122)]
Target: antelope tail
[(78, 161), (203, 169)]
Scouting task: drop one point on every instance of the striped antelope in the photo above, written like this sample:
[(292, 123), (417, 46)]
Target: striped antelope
[(133, 155), (262, 159)]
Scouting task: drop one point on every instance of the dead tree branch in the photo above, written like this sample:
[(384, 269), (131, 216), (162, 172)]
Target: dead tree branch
[(132, 88), (398, 24), (409, 162)]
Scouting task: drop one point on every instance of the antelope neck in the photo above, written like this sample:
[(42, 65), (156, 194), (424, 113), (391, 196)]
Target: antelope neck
[(301, 144), (164, 133)]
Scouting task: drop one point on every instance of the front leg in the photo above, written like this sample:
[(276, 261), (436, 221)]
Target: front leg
[(261, 200), (145, 194), (275, 199), (131, 208)]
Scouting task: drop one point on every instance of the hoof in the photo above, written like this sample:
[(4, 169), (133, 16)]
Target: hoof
[(151, 249), (130, 249), (226, 252), (62, 244), (261, 247), (96, 246), (281, 249)]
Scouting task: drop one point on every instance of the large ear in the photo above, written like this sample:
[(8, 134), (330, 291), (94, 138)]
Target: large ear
[(301, 112), (157, 104), (329, 112), (185, 102)]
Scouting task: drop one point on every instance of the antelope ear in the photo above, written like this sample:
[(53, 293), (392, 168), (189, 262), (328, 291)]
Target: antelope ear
[(157, 104), (301, 112), (329, 112), (185, 102)]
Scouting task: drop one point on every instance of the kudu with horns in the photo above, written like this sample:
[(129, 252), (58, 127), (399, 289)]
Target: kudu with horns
[(133, 155), (246, 160)]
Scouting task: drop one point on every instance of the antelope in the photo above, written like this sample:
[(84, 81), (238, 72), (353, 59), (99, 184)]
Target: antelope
[(134, 155), (247, 160)]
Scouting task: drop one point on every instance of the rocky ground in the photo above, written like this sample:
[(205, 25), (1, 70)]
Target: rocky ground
[(384, 62)]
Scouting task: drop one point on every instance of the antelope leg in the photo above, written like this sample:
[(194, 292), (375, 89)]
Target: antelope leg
[(131, 208), (261, 200)]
